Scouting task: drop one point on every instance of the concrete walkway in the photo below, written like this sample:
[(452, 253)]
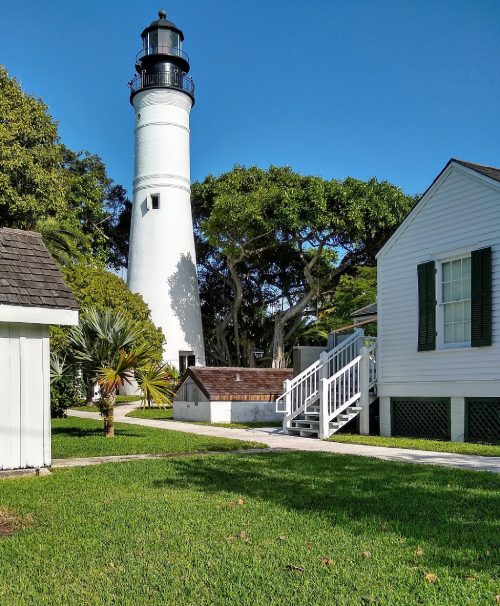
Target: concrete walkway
[(276, 439)]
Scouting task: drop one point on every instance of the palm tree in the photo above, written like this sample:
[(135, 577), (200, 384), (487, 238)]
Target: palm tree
[(155, 381), (64, 242), (102, 348), (110, 378)]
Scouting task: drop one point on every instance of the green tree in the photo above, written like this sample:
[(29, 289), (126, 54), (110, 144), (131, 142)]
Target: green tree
[(156, 383), (65, 243), (292, 237), (32, 182), (353, 292), (97, 288), (102, 348), (44, 183), (106, 347)]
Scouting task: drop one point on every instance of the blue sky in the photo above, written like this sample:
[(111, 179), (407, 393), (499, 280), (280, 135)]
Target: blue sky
[(385, 88)]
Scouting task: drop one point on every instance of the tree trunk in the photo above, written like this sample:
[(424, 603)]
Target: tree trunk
[(279, 343), (220, 330), (238, 298), (90, 392), (292, 312), (108, 406)]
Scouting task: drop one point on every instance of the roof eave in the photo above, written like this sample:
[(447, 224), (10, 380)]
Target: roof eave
[(452, 164)]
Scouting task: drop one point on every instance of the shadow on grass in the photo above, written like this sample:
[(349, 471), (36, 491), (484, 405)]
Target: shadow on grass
[(79, 432), (455, 511)]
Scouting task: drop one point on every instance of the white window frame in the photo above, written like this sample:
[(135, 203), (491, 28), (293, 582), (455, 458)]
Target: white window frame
[(440, 344)]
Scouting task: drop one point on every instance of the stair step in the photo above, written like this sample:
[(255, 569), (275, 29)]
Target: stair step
[(304, 423), (302, 431), (346, 418)]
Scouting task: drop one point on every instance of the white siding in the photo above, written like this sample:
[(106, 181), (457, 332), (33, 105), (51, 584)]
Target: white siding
[(462, 213), (24, 396)]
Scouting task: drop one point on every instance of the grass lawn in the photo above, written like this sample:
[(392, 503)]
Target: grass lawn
[(167, 414), (466, 448), (85, 408), (127, 399), (73, 437), (156, 412), (271, 529)]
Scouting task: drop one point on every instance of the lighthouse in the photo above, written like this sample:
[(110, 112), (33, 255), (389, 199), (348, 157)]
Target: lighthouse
[(162, 259)]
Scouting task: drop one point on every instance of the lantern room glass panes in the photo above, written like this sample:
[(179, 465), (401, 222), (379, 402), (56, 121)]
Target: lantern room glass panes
[(162, 40), (152, 40), (168, 38), (456, 299)]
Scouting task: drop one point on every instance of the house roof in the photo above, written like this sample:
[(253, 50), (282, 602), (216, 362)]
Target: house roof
[(367, 310), (490, 172), (29, 276), (487, 171), (228, 383)]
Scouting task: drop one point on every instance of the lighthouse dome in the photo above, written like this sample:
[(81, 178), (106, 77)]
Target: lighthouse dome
[(162, 23)]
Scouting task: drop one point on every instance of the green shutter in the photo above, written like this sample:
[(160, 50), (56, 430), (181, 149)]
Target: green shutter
[(481, 297), (426, 273)]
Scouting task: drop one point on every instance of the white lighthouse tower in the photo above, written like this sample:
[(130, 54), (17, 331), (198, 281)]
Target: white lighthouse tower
[(162, 262)]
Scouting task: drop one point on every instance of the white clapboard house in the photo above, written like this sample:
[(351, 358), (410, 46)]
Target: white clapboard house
[(434, 369), (33, 296)]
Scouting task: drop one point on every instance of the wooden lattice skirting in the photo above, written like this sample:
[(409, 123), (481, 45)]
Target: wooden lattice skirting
[(421, 418), (482, 419)]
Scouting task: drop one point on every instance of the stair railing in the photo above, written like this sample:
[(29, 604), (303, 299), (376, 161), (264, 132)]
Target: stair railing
[(303, 390), (349, 386)]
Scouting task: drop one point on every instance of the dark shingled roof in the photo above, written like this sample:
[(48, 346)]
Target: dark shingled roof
[(368, 310), (29, 276), (488, 171), (220, 383)]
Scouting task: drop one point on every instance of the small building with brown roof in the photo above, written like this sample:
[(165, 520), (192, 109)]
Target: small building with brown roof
[(230, 395), (33, 296)]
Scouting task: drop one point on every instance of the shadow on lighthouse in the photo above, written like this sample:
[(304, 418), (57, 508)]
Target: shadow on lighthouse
[(184, 297)]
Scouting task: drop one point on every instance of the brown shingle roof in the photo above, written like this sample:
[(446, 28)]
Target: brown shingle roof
[(220, 383), (29, 276)]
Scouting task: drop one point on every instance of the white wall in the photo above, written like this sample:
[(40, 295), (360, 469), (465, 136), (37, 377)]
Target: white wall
[(24, 396), (162, 260), (225, 412), (244, 412), (463, 213)]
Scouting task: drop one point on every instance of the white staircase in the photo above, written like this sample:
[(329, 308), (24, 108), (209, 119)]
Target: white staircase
[(332, 391)]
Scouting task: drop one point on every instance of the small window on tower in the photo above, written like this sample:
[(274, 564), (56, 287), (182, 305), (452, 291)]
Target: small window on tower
[(154, 201)]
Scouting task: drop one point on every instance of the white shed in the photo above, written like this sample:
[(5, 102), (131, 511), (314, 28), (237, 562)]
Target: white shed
[(33, 296), (438, 307), (230, 395)]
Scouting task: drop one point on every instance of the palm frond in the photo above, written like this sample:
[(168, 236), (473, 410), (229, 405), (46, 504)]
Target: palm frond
[(65, 243), (58, 368), (116, 375), (155, 383)]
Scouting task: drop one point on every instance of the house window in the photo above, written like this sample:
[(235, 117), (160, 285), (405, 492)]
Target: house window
[(456, 301)]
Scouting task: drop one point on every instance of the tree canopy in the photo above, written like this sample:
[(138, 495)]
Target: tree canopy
[(99, 289), (273, 246), (41, 179)]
